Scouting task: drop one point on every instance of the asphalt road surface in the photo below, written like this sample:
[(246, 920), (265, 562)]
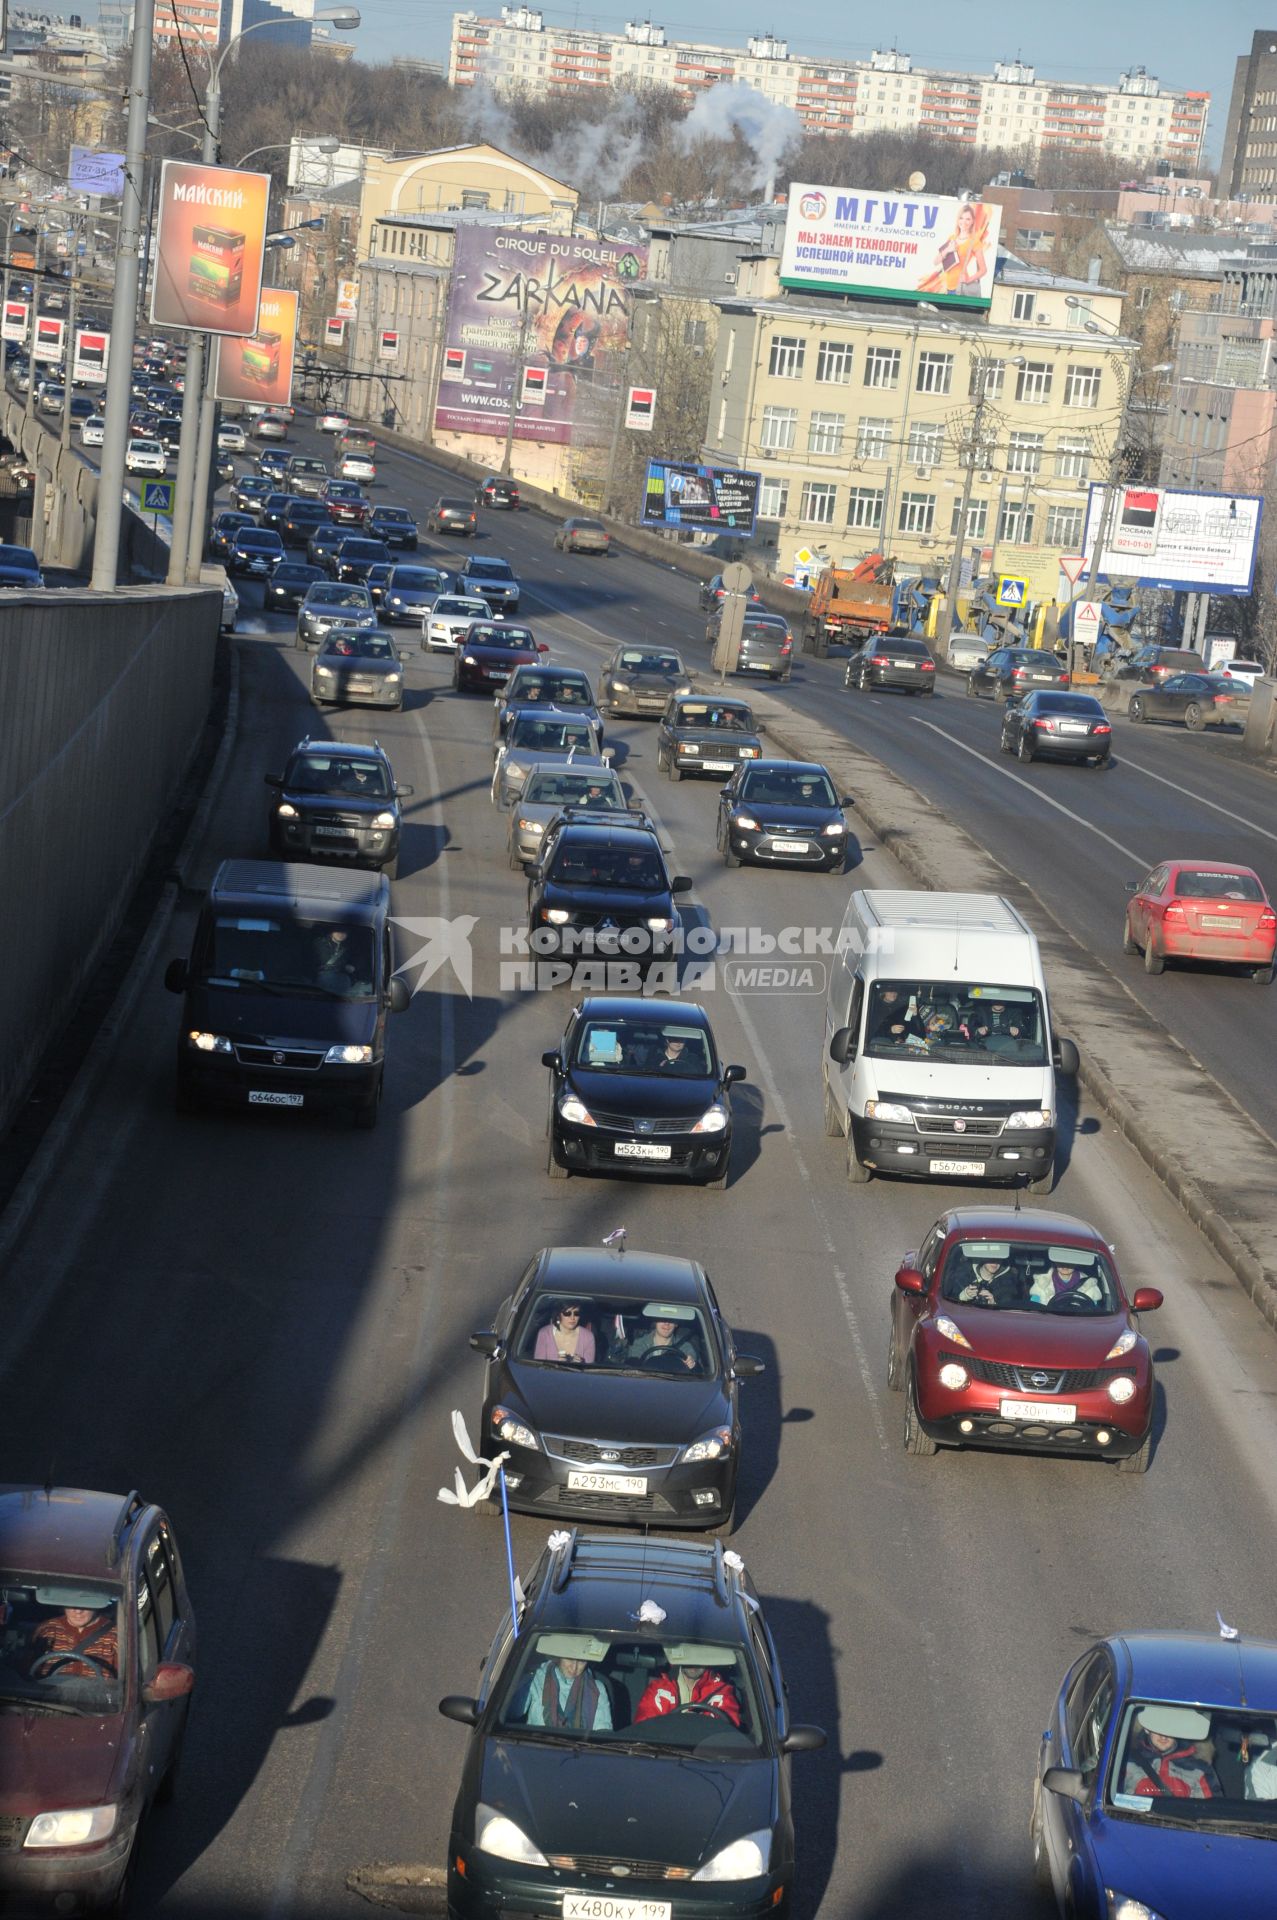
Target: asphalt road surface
[(262, 1325)]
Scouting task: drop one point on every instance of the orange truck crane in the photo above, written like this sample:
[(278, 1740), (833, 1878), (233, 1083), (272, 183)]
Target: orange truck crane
[(850, 603)]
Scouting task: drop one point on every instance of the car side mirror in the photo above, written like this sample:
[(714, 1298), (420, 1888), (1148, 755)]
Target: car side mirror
[(553, 1060), (1147, 1299), (731, 1075), (172, 1680), (488, 1344), (543, 646), (680, 884), (459, 1706), (1066, 1056), (761, 727), (175, 976), (804, 1740), (842, 1047), (399, 995), (1132, 886), (747, 1366), (848, 800), (1067, 1782), (608, 754), (911, 1280), (403, 790), (273, 779)]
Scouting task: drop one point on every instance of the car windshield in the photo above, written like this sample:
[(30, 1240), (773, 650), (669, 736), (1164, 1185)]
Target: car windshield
[(1023, 1278), (490, 570), (1196, 1766), (399, 515), (455, 506), (60, 1644), (721, 719), (547, 787), (454, 603), (361, 550), (581, 864), (631, 660), (331, 773), (606, 1688), (647, 1045), (956, 1020), (586, 526), (342, 490), (1203, 884), (516, 639), (535, 735), (306, 466), (561, 693), (779, 787), (277, 954), (265, 538), (616, 1335), (335, 596), (414, 579), (360, 645)]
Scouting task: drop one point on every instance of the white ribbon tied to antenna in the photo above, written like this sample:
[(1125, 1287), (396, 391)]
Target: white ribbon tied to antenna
[(471, 1496)]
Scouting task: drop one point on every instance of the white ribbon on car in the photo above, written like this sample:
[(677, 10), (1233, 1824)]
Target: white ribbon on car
[(471, 1496)]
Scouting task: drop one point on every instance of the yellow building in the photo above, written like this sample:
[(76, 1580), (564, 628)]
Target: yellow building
[(869, 420), (478, 177)]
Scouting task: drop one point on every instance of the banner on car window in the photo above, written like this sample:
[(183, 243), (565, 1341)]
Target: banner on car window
[(259, 366)]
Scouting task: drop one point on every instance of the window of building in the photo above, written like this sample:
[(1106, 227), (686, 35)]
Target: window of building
[(833, 362), (917, 512), (1079, 312), (788, 352), (1022, 305), (1082, 387), (825, 432), (730, 354), (935, 373), (1073, 457), (1033, 240), (1015, 523), (926, 445), (977, 519), (1033, 383), (780, 424), (693, 333), (990, 374), (873, 439), (864, 508), (817, 508), (1024, 453), (773, 499), (882, 367), (1064, 528)]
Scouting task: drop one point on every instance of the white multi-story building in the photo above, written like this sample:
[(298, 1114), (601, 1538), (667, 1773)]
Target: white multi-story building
[(1011, 107)]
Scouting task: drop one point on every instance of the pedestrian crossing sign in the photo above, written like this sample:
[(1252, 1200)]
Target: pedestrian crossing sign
[(1013, 590), (157, 496)]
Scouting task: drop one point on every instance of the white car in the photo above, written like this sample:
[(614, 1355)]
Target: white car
[(146, 456), (450, 616), (333, 422), (230, 439), (966, 650), (1244, 672), (93, 431), (356, 466)]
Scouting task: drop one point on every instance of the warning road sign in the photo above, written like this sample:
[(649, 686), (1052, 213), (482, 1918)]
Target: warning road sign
[(157, 496), (1013, 590), (1086, 622)]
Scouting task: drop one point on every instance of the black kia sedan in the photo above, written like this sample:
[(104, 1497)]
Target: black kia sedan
[(892, 660), (355, 556), (658, 1788), (395, 526), (783, 813), (636, 1086), (1057, 726), (611, 1384)]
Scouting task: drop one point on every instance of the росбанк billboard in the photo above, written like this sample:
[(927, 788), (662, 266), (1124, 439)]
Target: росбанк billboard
[(890, 246)]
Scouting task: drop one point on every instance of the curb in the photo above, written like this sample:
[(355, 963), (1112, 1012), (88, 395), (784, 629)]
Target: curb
[(50, 1156)]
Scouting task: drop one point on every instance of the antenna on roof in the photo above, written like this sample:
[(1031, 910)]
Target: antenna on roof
[(1017, 1199), (1225, 1631), (615, 1239)]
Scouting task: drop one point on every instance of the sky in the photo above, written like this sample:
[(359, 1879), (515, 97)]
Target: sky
[(1187, 44)]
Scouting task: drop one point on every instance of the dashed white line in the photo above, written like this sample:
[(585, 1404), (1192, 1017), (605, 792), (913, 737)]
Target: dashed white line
[(1179, 787)]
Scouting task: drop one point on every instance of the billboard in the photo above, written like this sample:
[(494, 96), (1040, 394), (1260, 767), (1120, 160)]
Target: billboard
[(532, 303), (17, 314), (92, 351), (718, 499), (387, 344), (335, 330), (639, 409), (1189, 542), (49, 335), (259, 366), (210, 243), (96, 173), (347, 307), (890, 246)]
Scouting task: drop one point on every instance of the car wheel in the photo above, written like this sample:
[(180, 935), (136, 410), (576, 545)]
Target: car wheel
[(662, 760), (719, 1183), (972, 690), (1043, 1182), (1037, 1845), (895, 1365), (1005, 742), (674, 770), (515, 858), (1262, 976), (1136, 709), (118, 1905), (916, 1440), (553, 1167), (368, 1111), (1154, 962), (857, 1172), (1193, 717), (391, 868), (730, 859), (1137, 1462), (1128, 945), (1024, 752), (832, 1117)]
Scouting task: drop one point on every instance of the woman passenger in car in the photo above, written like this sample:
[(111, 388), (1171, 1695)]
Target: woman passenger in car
[(565, 1691), (566, 1337)]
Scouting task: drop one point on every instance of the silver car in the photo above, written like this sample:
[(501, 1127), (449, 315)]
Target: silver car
[(452, 615), (541, 734), (550, 787), (410, 592), (330, 604), (966, 650)]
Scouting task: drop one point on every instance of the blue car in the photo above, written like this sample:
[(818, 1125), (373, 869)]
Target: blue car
[(1156, 1791)]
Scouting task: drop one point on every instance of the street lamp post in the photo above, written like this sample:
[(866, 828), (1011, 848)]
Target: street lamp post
[(984, 367), (520, 362)]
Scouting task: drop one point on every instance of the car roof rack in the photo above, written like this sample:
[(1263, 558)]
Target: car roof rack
[(605, 817), (130, 1507)]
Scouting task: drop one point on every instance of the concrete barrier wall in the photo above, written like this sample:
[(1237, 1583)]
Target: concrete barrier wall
[(66, 503), (102, 702)]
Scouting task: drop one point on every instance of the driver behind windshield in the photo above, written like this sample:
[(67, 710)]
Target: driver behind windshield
[(661, 1338), (688, 1684), (1067, 1279), (87, 1630)]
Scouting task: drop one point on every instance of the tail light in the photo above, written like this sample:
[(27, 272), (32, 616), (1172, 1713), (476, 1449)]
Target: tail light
[(1103, 727), (1175, 914), (1268, 921), (879, 660), (1045, 726), (1062, 679), (928, 666), (1222, 699), (786, 646), (1018, 673)]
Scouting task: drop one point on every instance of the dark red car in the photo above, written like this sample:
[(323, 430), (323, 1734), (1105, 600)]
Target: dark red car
[(1013, 1329), (488, 653), (1201, 910), (97, 1641)]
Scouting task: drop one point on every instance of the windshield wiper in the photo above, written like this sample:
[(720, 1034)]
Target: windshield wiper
[(542, 1737), (298, 986), (21, 1703)]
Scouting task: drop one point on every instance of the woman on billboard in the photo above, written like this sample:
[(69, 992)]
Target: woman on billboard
[(962, 262)]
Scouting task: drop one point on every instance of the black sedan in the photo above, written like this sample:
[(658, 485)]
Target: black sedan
[(356, 666), (249, 492), (1193, 700), (322, 548), (19, 567), (273, 462), (409, 594), (289, 585), (355, 558), (640, 680), (1057, 726), (394, 525), (611, 1382), (254, 552), (452, 515), (498, 490), (302, 520), (711, 594), (1011, 670), (222, 533), (627, 1764), (783, 813), (489, 652), (337, 801), (534, 686), (601, 891), (700, 735), (892, 660), (637, 1086), (274, 510)]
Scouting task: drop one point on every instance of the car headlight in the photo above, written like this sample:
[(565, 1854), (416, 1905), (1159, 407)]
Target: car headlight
[(711, 1446), (682, 690), (713, 1120), (1030, 1117), (467, 659), (660, 923), (495, 1834), (209, 1043), (557, 916), (575, 1111), (953, 1376), (689, 746), (1123, 1344), (383, 820), (1121, 1906), (286, 810), (888, 1110), (620, 686), (747, 821), (750, 753), (348, 1057), (323, 673), (515, 774), (1122, 1389), (531, 826), (834, 828), (396, 600), (393, 679), (72, 1826), (746, 1859), (508, 1426), (950, 1330)]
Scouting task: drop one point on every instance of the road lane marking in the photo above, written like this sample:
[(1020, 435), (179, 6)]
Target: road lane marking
[(1200, 798), (1077, 818)]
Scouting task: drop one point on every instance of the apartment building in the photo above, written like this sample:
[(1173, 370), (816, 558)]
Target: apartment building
[(867, 420), (1221, 425), (1249, 164), (1011, 107)]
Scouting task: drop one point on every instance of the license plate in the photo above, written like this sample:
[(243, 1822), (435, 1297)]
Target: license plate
[(912, 665), (718, 766), (641, 1150), (1073, 726), (334, 833), (276, 1099), (595, 1906), (791, 846), (956, 1166), (1219, 920), (495, 673), (581, 1481), (1055, 1411)]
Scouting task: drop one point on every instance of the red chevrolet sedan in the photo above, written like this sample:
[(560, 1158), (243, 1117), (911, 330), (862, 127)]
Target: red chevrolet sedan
[(1013, 1329), (1201, 910)]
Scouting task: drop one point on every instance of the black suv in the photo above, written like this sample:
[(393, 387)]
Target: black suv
[(339, 801), (601, 889), (676, 1735), (355, 556)]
